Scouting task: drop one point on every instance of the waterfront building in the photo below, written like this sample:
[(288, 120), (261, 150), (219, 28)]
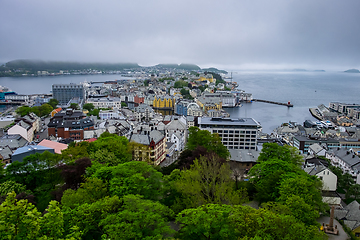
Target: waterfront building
[(65, 92), (205, 77), (194, 110), (164, 102), (181, 107), (17, 98), (227, 99), (235, 133), (342, 107), (206, 103)]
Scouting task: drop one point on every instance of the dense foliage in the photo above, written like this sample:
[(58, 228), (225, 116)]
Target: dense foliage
[(96, 191)]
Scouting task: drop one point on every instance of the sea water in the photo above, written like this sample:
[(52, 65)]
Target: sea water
[(303, 89)]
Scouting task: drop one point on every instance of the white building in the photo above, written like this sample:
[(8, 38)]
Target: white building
[(107, 102), (17, 98), (110, 114), (235, 133), (347, 160), (328, 178), (24, 129)]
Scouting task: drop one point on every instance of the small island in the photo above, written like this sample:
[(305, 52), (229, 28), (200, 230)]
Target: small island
[(352, 71)]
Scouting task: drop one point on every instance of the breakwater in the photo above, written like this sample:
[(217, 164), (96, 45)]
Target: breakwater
[(272, 102)]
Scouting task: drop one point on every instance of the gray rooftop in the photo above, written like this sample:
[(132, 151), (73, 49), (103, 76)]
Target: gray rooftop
[(228, 121), (244, 155)]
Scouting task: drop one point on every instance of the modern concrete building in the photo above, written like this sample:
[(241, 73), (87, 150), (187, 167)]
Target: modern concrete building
[(235, 133), (64, 92)]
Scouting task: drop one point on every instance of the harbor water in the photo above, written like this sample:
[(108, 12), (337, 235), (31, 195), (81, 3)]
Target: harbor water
[(303, 89)]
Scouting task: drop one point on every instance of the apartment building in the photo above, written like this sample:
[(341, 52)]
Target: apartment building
[(235, 133), (65, 92)]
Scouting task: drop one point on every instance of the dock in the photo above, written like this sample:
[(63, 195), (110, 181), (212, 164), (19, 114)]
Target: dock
[(316, 114), (12, 103), (272, 102)]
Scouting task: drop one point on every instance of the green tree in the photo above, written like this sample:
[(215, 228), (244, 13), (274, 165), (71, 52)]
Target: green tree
[(89, 106), (87, 216), (74, 106), (10, 186), (52, 223), (89, 192), (215, 221), (208, 181), (138, 219), (45, 109), (209, 221), (115, 149), (266, 177), (180, 84), (133, 178), (19, 219), (354, 190), (123, 104), (210, 141), (23, 110), (284, 153), (53, 103)]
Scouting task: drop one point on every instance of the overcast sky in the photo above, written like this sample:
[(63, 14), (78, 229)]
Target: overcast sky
[(241, 34)]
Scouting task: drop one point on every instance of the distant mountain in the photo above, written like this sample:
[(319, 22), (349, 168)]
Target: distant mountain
[(36, 65), (212, 69), (352, 71), (184, 66)]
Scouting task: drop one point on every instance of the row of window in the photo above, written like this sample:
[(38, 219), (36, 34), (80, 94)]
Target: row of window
[(238, 143), (241, 147), (234, 131), (237, 136)]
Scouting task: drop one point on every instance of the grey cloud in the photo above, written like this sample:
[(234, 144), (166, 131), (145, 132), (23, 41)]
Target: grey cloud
[(237, 33)]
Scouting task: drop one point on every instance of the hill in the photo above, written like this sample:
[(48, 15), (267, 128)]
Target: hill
[(184, 66), (36, 65), (212, 69)]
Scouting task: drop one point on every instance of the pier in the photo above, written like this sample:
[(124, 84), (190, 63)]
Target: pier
[(272, 102), (12, 103), (316, 114)]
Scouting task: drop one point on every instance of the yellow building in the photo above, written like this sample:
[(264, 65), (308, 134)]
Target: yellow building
[(206, 103), (207, 77), (166, 102)]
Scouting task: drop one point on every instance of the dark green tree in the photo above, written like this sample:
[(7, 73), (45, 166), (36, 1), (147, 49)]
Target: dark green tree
[(23, 110), (74, 106), (210, 141), (89, 106), (53, 103)]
